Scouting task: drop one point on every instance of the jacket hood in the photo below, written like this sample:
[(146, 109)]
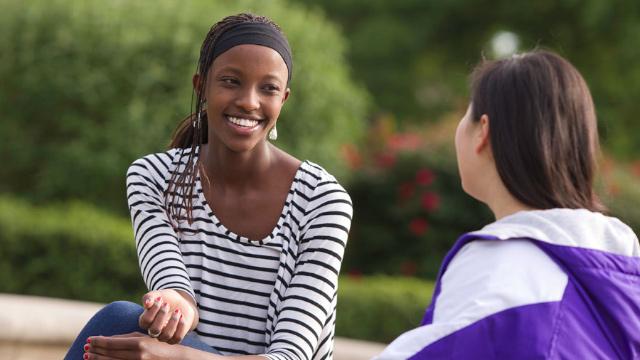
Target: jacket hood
[(568, 227)]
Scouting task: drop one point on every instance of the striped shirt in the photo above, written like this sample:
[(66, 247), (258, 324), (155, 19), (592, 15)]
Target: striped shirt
[(276, 296)]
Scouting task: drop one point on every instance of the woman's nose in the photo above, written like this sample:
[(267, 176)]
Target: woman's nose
[(248, 100)]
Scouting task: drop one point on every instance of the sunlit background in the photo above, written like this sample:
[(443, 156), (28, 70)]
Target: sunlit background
[(86, 87)]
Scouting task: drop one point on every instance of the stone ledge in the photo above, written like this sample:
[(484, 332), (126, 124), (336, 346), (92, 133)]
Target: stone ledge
[(39, 320), (42, 328)]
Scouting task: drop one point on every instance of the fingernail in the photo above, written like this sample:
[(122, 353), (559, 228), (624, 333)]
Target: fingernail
[(165, 308), (177, 311), (85, 356), (89, 340), (158, 299), (86, 347)]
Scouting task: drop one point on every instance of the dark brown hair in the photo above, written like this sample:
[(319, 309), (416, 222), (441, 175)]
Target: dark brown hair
[(542, 126), (191, 132)]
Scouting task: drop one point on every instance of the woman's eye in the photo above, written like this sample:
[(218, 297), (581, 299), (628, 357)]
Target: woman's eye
[(271, 88), (229, 81)]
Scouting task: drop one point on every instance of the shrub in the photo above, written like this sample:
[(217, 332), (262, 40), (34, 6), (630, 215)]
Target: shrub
[(621, 193), (409, 207), (69, 251), (380, 308), (89, 86), (75, 251)]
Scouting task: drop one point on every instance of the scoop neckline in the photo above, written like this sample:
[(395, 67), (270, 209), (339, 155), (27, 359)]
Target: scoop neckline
[(243, 239)]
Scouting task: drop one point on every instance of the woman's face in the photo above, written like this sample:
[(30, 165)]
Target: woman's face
[(465, 143), (246, 88)]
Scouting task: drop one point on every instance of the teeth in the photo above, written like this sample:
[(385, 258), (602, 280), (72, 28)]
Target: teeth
[(243, 122)]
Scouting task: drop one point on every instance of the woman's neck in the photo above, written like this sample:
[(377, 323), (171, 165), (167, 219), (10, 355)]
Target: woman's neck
[(505, 209), (502, 203), (230, 169), (497, 197)]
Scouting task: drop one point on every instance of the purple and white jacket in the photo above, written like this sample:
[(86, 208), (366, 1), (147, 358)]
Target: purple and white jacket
[(544, 284)]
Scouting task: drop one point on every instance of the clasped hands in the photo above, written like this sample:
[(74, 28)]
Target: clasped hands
[(168, 316)]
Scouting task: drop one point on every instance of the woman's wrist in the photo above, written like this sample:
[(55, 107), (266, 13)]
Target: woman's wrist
[(189, 302), (187, 353)]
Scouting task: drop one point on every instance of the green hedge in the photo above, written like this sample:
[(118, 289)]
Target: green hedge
[(77, 252), (379, 308), (69, 251), (621, 193)]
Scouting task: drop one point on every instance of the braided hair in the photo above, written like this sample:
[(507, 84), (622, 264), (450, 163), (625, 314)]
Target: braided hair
[(191, 132)]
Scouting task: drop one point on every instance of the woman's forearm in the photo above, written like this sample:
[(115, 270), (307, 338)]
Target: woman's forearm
[(194, 354)]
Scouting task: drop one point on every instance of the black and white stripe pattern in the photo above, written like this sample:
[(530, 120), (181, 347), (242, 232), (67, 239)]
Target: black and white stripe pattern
[(276, 296)]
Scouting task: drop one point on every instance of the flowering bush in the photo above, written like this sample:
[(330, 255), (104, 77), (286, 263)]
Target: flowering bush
[(408, 205)]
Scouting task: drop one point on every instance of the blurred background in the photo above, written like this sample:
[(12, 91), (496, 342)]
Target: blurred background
[(86, 87)]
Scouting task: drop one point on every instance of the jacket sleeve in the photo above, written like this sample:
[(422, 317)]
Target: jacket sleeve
[(498, 299)]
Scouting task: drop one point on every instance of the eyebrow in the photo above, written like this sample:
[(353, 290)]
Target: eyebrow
[(229, 68), (274, 77)]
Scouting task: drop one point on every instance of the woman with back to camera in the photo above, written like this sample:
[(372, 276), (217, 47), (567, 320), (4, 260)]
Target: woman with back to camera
[(552, 277), (236, 239)]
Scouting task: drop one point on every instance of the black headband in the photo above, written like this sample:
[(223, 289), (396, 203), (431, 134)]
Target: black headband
[(256, 34)]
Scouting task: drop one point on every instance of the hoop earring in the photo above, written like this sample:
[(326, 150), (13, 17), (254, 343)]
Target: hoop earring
[(273, 133)]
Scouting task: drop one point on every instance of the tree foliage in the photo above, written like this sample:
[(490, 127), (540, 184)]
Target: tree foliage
[(87, 87), (414, 55)]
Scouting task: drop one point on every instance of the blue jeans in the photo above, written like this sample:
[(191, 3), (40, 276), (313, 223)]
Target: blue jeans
[(121, 317)]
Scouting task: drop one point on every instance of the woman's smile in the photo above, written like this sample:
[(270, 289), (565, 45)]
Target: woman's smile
[(244, 125)]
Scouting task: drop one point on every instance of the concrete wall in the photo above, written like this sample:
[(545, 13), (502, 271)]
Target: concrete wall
[(42, 328)]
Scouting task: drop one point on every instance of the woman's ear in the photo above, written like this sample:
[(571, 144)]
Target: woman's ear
[(483, 140), (196, 82), (287, 92)]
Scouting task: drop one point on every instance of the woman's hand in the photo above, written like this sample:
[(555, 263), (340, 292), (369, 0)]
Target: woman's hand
[(130, 346), (169, 314)]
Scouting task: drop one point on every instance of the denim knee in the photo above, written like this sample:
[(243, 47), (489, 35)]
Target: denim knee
[(123, 313), (119, 317), (124, 308)]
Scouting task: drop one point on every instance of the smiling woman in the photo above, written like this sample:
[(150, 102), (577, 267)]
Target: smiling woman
[(244, 96), (239, 243)]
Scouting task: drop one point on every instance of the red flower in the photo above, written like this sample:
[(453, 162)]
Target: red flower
[(404, 142), (408, 268), (385, 160), (635, 168), (418, 226), (425, 177), (406, 190), (430, 201), (355, 274), (352, 156)]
